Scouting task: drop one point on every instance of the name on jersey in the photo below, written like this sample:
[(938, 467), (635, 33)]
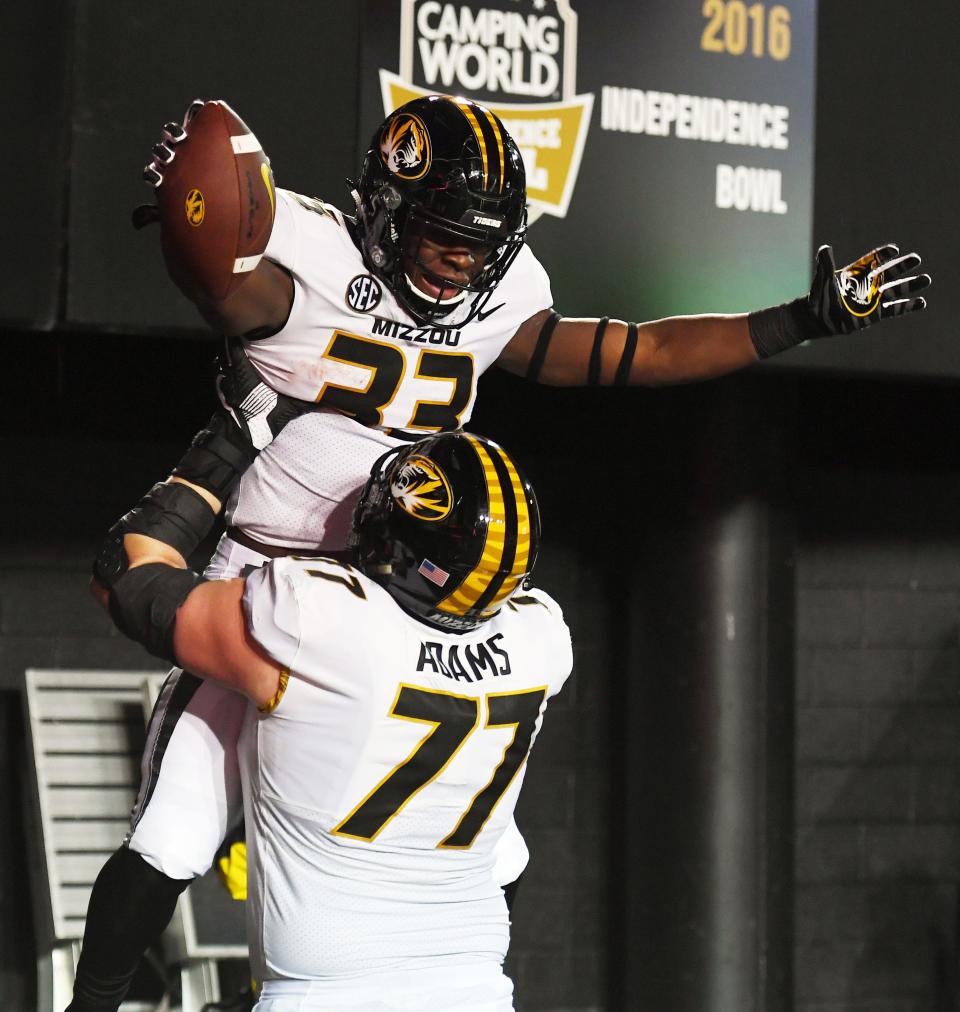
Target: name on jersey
[(466, 662), (416, 335)]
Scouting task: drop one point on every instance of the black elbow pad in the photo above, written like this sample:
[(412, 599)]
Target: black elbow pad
[(144, 602)]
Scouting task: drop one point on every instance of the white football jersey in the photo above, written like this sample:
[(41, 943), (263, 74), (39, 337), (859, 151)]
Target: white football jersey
[(377, 787), (349, 346)]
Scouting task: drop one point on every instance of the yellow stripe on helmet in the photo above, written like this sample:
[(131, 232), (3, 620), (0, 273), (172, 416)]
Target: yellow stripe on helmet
[(522, 555), (498, 133), (474, 123), (465, 597)]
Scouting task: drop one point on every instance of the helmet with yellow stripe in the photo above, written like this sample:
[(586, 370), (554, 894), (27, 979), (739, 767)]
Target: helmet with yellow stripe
[(449, 526), (441, 170)]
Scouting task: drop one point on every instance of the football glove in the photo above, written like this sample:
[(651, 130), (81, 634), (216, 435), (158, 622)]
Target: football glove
[(259, 411), (163, 154), (877, 286), (250, 416)]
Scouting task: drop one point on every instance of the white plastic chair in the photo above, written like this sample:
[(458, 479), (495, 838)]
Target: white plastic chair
[(86, 733)]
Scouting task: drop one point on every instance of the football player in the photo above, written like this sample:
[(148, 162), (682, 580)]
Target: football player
[(383, 320), (396, 704)]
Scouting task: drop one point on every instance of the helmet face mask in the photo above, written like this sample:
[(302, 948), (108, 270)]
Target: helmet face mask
[(442, 267), (449, 527), (445, 169)]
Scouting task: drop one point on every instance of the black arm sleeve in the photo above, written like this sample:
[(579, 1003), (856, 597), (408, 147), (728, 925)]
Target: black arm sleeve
[(780, 328), (540, 350), (217, 457), (593, 370)]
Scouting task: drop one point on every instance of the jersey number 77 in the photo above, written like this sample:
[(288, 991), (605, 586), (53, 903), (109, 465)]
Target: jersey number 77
[(452, 720)]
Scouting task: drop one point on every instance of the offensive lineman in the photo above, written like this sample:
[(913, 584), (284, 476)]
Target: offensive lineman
[(386, 321), (396, 705)]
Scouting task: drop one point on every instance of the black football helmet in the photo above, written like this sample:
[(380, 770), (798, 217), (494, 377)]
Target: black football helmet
[(449, 526), (447, 168)]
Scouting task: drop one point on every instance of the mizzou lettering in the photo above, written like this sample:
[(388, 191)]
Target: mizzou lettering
[(416, 335)]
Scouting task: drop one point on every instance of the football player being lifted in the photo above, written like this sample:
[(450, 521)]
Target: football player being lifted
[(396, 702), (381, 321)]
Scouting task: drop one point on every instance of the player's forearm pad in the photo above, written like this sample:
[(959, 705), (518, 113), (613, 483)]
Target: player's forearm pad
[(217, 457), (172, 513), (144, 602)]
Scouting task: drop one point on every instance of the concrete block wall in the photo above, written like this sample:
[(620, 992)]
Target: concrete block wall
[(64, 494), (878, 742), (559, 938)]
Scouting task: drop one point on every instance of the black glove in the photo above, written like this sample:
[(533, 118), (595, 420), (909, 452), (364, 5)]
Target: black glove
[(259, 411), (251, 414), (877, 286), (163, 154)]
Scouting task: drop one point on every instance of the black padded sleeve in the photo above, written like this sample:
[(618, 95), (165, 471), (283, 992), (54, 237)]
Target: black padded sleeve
[(144, 602)]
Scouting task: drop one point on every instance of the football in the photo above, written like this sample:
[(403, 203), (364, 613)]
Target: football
[(216, 203)]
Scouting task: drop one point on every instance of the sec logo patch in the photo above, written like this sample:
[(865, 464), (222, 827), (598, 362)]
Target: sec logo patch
[(364, 293)]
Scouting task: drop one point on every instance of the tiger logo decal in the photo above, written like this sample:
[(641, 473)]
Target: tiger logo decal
[(405, 146), (195, 207), (859, 285), (422, 490)]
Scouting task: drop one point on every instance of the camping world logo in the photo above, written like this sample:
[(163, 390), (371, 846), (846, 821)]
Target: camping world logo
[(517, 57)]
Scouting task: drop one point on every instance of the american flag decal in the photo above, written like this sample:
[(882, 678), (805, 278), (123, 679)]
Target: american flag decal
[(433, 573)]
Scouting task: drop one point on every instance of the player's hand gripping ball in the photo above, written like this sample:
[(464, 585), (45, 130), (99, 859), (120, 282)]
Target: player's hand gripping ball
[(215, 200), (879, 285)]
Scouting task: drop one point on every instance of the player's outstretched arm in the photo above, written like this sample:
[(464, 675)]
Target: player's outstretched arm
[(215, 206), (571, 352)]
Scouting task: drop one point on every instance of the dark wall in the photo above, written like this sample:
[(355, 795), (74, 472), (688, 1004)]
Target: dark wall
[(75, 452), (878, 700), (887, 146), (89, 87), (36, 47), (878, 672)]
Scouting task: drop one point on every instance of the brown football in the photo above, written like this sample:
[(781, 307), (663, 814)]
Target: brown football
[(216, 203)]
